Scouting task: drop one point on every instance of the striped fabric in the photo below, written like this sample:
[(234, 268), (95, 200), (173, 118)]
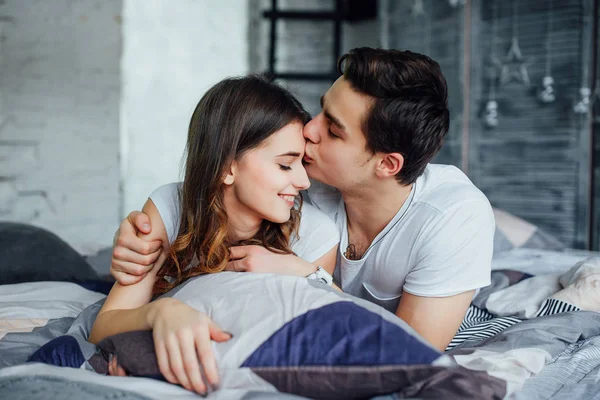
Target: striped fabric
[(573, 374), (479, 324), (554, 306)]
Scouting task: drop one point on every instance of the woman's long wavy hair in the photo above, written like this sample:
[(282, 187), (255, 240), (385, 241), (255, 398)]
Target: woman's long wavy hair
[(234, 116)]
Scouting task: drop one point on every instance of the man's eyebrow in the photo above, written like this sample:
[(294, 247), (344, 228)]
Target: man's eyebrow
[(331, 117), (289, 154)]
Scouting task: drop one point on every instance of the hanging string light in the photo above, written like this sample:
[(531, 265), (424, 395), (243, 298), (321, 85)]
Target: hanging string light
[(583, 105), (417, 8), (455, 3), (490, 115), (546, 93)]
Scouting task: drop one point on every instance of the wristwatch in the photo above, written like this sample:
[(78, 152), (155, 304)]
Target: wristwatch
[(321, 275)]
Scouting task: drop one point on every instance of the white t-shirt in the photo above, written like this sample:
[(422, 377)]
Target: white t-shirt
[(317, 233), (439, 244)]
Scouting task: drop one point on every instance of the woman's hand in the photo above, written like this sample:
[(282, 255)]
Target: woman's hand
[(261, 260), (182, 336)]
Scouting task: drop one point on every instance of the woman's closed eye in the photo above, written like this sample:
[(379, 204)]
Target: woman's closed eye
[(285, 167), (332, 135)]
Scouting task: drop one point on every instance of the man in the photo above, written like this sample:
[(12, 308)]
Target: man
[(415, 238)]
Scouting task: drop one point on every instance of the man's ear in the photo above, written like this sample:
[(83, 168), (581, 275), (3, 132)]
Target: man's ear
[(230, 175), (390, 164)]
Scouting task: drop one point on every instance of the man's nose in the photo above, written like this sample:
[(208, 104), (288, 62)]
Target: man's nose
[(311, 130)]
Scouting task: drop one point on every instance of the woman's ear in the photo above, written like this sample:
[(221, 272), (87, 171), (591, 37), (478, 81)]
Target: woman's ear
[(230, 176)]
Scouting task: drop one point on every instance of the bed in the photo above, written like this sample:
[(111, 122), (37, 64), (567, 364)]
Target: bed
[(44, 354)]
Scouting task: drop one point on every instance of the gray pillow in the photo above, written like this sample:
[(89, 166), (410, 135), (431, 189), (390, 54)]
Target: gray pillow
[(101, 262), (31, 254)]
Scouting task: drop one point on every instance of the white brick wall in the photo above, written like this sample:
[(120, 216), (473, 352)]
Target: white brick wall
[(59, 132), (172, 53), (76, 117)]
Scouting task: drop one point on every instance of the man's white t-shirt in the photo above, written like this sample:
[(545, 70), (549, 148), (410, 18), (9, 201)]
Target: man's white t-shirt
[(317, 233), (439, 244)]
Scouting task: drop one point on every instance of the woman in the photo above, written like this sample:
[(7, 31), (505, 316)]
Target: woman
[(241, 186)]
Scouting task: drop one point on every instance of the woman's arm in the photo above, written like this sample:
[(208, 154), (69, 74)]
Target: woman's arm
[(116, 316), (182, 335), (128, 308)]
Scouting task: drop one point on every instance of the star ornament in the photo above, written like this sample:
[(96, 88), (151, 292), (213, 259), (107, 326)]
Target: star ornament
[(514, 66)]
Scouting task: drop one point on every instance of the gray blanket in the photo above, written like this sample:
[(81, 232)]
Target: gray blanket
[(553, 356)]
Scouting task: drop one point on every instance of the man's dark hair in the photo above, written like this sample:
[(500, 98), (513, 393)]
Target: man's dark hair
[(409, 114)]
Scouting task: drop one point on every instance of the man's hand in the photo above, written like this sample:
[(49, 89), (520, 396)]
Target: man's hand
[(133, 256), (260, 260)]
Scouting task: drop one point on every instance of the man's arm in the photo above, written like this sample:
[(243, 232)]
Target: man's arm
[(257, 259), (454, 259), (436, 319)]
